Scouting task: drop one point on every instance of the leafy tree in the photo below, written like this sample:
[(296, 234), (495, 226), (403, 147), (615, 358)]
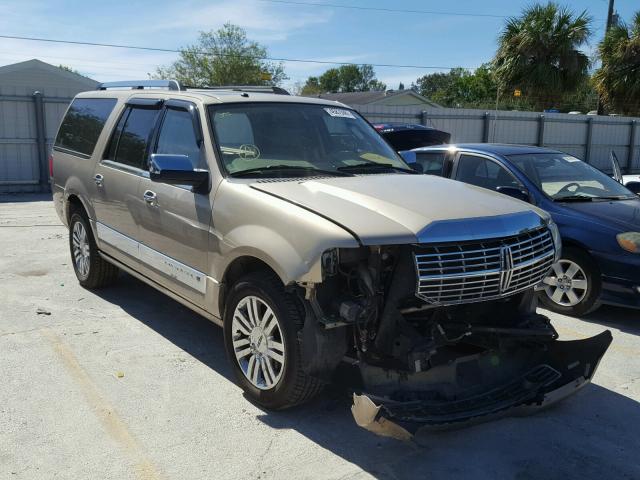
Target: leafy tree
[(67, 68), (401, 86), (224, 57), (346, 78), (618, 79), (539, 53), (460, 87)]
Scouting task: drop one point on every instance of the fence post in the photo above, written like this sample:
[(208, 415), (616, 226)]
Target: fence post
[(41, 141), (541, 130), (632, 145), (423, 118), (487, 127), (587, 148)]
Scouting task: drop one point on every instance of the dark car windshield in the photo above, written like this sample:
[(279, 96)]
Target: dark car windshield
[(267, 137), (562, 176)]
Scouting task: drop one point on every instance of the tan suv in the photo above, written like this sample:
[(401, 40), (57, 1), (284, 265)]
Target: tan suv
[(290, 222)]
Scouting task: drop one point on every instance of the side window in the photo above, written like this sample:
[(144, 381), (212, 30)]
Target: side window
[(83, 123), (432, 163), (484, 173), (131, 136), (178, 137)]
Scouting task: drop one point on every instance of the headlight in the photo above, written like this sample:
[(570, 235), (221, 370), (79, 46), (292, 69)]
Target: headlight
[(630, 241), (557, 241)]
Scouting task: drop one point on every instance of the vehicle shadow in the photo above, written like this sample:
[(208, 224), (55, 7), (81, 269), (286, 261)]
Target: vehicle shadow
[(593, 434), (624, 319)]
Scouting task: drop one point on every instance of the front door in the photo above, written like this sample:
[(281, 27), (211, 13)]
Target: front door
[(118, 177), (174, 223)]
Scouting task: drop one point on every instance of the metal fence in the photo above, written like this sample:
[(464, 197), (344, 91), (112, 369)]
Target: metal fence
[(590, 138), (28, 125)]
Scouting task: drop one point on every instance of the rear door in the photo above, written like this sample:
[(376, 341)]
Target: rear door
[(118, 175), (174, 220)]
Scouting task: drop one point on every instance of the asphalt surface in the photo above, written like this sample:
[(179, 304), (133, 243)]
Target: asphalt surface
[(125, 383)]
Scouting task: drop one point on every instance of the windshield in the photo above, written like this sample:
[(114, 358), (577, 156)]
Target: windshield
[(562, 176), (259, 137)]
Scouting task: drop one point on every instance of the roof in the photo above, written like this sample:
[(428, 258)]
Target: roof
[(367, 98), (495, 148), (35, 64), (209, 96)]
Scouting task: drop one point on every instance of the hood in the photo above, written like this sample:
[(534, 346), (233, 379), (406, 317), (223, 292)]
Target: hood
[(618, 214), (398, 208)]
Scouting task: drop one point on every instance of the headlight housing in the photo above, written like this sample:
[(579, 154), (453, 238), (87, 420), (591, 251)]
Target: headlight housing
[(557, 241), (629, 241)]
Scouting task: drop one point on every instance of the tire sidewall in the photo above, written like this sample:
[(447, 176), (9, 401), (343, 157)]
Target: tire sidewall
[(590, 302), (272, 398), (79, 218)]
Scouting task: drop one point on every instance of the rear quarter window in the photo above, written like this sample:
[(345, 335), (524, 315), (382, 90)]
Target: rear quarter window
[(83, 123)]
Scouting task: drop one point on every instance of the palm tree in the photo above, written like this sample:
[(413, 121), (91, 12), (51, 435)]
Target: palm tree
[(539, 53), (618, 79)]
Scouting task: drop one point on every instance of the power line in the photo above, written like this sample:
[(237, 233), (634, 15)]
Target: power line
[(200, 52), (381, 9)]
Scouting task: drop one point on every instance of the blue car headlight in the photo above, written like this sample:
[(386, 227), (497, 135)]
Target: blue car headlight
[(630, 241)]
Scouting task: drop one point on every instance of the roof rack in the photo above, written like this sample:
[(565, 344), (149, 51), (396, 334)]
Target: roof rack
[(244, 88), (141, 84)]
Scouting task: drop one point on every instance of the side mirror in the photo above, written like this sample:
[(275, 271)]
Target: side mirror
[(176, 170), (634, 187), (514, 192)]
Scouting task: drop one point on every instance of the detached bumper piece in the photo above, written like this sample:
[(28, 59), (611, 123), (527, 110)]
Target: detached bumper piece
[(558, 372)]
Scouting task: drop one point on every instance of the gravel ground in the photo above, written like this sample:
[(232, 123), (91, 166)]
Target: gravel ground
[(125, 383)]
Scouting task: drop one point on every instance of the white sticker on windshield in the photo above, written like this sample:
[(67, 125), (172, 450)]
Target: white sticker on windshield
[(339, 112), (569, 158)]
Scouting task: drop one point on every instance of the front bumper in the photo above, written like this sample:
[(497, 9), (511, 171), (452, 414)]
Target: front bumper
[(620, 279), (561, 370)]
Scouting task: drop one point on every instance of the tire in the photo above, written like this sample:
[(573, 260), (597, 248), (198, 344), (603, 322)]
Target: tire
[(260, 345), (90, 268), (564, 280)]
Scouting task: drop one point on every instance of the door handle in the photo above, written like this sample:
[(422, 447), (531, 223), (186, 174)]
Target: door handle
[(150, 197), (99, 179)]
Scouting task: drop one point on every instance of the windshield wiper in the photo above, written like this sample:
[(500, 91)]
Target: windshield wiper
[(374, 165), (288, 169), (574, 198)]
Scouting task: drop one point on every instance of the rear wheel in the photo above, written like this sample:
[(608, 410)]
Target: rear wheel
[(261, 327), (90, 268), (573, 285)]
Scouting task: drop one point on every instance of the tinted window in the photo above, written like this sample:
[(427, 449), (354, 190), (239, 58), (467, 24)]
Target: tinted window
[(484, 173), (432, 163), (83, 123), (129, 142), (178, 137)]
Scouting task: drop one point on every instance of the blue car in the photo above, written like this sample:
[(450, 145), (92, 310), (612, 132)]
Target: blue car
[(598, 218)]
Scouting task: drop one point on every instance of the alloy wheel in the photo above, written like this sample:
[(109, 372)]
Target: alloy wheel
[(566, 284), (81, 249), (258, 342)]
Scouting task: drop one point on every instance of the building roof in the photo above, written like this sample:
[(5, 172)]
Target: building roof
[(37, 71), (368, 98)]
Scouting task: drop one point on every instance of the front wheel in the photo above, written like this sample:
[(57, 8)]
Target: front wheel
[(261, 327), (573, 285)]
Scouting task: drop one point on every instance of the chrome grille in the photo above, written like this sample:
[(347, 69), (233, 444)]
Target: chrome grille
[(452, 273)]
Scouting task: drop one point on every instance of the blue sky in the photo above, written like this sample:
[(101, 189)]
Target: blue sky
[(291, 31)]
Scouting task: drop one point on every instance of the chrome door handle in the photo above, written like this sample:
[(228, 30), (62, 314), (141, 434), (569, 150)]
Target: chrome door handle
[(99, 179), (150, 197)]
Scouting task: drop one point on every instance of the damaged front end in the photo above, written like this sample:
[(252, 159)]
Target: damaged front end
[(444, 334)]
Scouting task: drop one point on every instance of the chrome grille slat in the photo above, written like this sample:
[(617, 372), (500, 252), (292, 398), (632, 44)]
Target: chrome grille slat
[(480, 270)]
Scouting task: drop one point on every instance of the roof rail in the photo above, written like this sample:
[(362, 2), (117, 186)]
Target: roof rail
[(141, 84), (244, 88)]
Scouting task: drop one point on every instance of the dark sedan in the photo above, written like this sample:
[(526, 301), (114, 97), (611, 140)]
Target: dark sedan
[(598, 218)]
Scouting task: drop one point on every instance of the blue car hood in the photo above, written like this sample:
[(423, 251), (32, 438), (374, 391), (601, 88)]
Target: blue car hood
[(619, 214)]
